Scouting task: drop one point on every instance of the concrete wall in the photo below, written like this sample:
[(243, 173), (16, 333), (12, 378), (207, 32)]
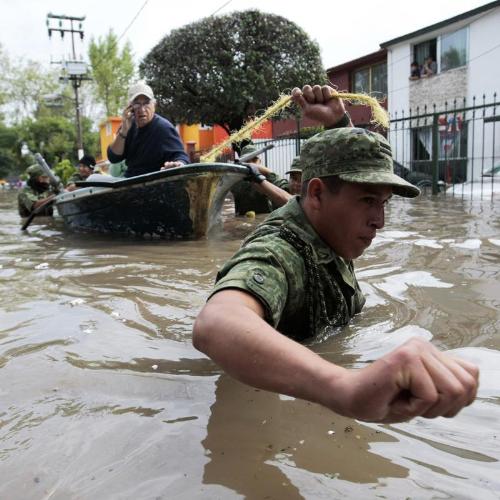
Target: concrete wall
[(484, 78), (398, 73), (441, 89), (398, 87), (484, 63)]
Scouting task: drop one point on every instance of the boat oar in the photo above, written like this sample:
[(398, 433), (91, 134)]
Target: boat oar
[(46, 203)]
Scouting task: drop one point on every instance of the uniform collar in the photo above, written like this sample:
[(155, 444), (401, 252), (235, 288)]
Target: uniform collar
[(299, 223)]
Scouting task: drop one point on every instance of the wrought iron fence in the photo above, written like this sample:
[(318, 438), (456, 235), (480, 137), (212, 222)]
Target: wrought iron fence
[(280, 157), (453, 150)]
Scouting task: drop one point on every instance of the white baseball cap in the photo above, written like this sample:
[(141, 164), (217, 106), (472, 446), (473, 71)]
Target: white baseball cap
[(140, 88)]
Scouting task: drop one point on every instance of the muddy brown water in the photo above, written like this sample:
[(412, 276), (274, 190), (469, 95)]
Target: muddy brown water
[(102, 395)]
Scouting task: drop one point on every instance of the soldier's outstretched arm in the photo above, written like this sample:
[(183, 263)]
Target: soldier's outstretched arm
[(278, 196), (414, 379)]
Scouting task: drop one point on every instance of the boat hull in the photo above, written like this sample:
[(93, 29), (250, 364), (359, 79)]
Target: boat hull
[(182, 202)]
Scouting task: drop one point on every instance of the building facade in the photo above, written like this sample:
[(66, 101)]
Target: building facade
[(455, 89)]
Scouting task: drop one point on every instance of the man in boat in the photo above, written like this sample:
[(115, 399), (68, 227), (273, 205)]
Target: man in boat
[(147, 141), (262, 192), (293, 279), (85, 167), (36, 192)]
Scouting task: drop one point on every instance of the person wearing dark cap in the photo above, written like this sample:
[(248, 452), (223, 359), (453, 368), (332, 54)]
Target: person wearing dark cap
[(261, 192), (85, 167), (293, 279), (36, 192), (147, 141), (295, 173)]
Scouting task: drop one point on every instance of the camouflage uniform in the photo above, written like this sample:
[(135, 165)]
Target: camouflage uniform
[(302, 284), (246, 198), (27, 197), (278, 181), (76, 177)]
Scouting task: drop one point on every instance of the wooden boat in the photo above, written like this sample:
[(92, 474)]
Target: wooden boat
[(181, 202)]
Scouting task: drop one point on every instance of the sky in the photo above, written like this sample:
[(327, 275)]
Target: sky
[(343, 30)]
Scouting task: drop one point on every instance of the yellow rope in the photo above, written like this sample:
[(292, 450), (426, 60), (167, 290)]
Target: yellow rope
[(380, 117)]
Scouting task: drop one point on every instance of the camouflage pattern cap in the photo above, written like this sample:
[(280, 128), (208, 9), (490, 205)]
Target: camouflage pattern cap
[(354, 155), (295, 167), (35, 170), (249, 148)]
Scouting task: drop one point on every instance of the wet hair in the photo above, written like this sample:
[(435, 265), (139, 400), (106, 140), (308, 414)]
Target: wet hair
[(333, 183)]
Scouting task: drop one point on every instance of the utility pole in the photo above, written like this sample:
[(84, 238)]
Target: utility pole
[(73, 69)]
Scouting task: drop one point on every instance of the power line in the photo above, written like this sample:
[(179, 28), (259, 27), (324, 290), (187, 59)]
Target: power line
[(220, 8), (133, 20), (115, 44)]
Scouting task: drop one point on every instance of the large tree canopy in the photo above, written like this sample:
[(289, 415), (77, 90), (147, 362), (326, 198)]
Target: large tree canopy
[(220, 70)]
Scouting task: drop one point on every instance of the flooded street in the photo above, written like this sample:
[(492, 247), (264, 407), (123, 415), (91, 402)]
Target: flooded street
[(102, 395)]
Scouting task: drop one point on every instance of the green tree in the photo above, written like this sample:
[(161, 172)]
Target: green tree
[(91, 141), (220, 70), (28, 83), (112, 71), (52, 136), (64, 170), (4, 71), (8, 142)]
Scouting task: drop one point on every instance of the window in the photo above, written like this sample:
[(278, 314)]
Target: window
[(448, 50), (372, 79), (452, 138), (452, 149), (424, 50), (454, 49)]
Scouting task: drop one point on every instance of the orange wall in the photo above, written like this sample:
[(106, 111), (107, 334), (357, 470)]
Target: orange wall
[(107, 133)]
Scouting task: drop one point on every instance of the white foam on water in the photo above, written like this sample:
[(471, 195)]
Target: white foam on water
[(366, 273), (472, 244), (397, 285), (43, 265), (380, 240), (398, 234), (494, 242), (377, 340), (448, 240), (372, 297), (428, 243), (77, 302)]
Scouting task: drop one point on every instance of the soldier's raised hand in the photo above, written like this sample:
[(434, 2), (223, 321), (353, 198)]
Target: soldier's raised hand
[(319, 103)]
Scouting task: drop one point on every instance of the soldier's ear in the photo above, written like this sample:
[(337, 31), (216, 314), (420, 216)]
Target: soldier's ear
[(315, 192)]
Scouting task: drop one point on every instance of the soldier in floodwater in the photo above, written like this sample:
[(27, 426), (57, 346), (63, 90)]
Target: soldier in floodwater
[(263, 191), (293, 279), (36, 193)]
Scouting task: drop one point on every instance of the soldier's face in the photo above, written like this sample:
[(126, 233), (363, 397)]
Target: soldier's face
[(348, 219), (295, 182), (43, 180)]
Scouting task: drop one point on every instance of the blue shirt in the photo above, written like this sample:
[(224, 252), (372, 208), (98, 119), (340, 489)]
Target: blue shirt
[(148, 148)]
